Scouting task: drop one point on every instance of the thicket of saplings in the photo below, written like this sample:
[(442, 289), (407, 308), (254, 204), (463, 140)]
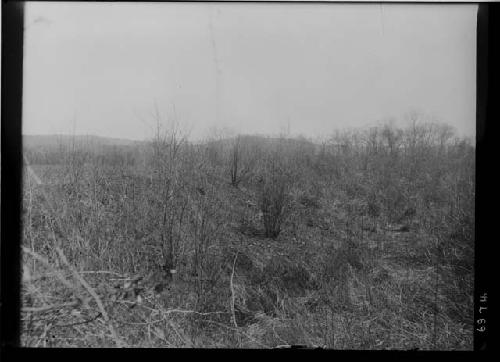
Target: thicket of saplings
[(363, 242)]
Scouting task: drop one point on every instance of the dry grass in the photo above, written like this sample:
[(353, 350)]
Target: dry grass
[(345, 248)]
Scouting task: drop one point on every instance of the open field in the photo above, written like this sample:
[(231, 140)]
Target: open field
[(363, 242)]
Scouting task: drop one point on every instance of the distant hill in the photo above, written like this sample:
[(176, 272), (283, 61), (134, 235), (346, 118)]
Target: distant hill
[(54, 141), (265, 142)]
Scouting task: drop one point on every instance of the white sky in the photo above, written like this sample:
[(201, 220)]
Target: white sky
[(99, 68)]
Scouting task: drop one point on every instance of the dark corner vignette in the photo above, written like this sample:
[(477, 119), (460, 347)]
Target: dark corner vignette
[(487, 17), (12, 68)]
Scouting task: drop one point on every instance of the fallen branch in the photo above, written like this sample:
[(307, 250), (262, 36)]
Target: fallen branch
[(45, 262), (94, 295), (232, 293), (79, 323), (103, 272), (49, 308)]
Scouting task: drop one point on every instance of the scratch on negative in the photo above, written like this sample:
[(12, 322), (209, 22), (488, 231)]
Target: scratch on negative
[(382, 18)]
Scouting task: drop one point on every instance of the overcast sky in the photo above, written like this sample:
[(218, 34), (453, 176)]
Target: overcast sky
[(100, 68)]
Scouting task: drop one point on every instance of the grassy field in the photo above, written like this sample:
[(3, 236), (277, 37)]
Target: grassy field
[(363, 242)]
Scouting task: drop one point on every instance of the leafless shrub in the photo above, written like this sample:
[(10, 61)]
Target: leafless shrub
[(242, 160), (274, 194)]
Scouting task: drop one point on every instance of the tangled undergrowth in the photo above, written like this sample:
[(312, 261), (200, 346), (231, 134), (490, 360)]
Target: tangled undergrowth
[(173, 254)]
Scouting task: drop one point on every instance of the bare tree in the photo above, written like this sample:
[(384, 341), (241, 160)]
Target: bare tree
[(241, 161)]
